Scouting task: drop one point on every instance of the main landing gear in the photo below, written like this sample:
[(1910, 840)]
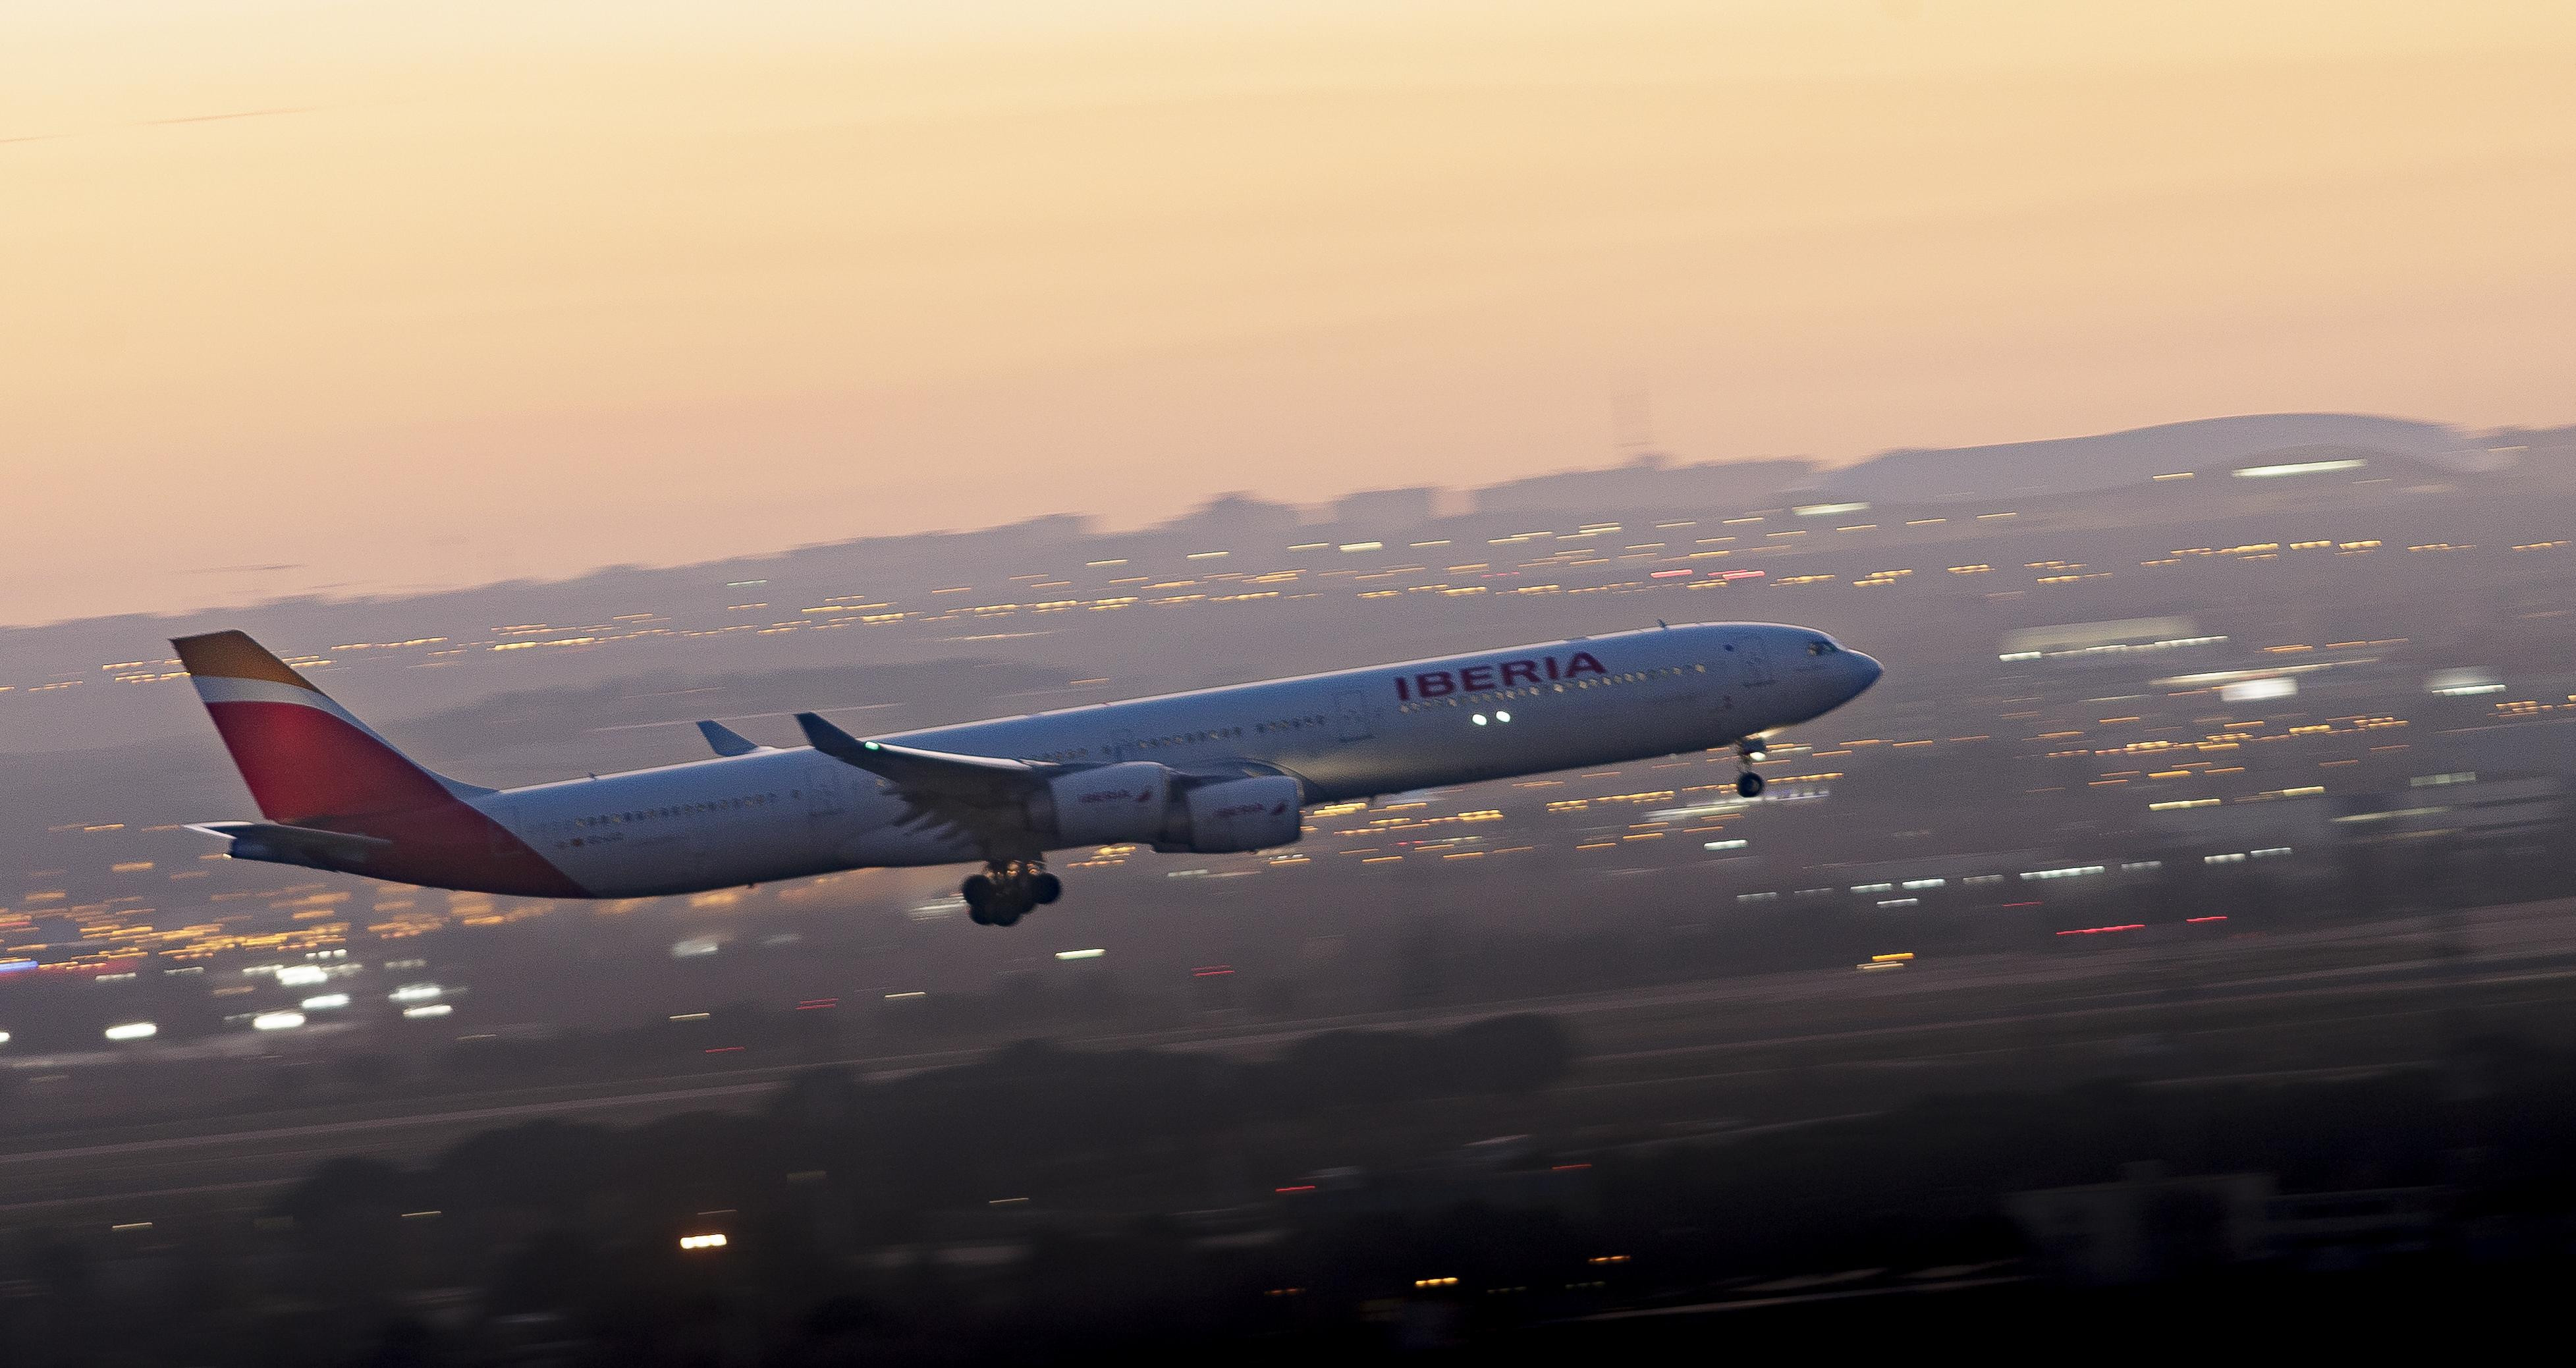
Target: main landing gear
[(1007, 889), (1748, 784)]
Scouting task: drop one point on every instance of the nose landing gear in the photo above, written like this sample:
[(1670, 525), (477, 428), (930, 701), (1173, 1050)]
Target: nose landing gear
[(1748, 784), (1007, 890)]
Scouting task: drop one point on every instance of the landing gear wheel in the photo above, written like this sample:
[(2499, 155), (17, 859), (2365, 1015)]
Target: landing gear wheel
[(1007, 890), (1748, 785)]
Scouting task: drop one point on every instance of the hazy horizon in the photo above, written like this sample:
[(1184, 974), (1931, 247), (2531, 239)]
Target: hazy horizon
[(411, 297)]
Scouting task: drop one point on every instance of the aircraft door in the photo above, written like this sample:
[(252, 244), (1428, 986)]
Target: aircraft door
[(1350, 711), (823, 789), (1757, 665), (825, 804)]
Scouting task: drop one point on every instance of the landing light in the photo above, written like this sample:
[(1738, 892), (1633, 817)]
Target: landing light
[(133, 1030), (702, 1242), (1480, 719), (277, 1021)]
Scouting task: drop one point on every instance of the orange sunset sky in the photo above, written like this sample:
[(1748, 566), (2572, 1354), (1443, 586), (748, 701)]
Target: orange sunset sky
[(394, 294)]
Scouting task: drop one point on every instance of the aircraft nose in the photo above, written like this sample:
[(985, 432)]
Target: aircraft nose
[(1865, 672)]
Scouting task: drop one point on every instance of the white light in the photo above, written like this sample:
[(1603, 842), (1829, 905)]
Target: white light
[(325, 1002), (2267, 472), (1079, 954), (696, 946), (1721, 845), (1480, 719), (133, 1030), (1502, 717), (277, 1021), (2258, 690), (1827, 510), (302, 975), (435, 1009), (702, 1242), (4, 1037), (415, 992), (2463, 683)]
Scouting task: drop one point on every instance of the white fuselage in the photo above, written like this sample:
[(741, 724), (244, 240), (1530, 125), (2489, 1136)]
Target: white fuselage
[(780, 814)]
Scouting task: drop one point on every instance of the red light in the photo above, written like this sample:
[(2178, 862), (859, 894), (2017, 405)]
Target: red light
[(2032, 903), (1300, 1187), (1212, 971), (1569, 1168), (2099, 930), (722, 1049), (2197, 920), (816, 1004)]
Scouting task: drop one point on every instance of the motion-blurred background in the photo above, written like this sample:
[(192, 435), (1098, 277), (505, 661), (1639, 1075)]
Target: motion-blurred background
[(2176, 936)]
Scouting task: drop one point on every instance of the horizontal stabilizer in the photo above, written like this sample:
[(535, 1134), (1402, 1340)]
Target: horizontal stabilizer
[(725, 741), (294, 844)]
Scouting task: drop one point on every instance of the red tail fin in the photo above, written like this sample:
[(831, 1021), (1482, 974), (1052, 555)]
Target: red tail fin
[(302, 755)]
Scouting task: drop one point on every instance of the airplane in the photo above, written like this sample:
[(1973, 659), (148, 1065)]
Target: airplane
[(1215, 770)]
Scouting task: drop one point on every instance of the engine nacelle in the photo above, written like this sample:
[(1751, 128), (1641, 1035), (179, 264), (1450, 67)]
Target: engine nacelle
[(1237, 814), (1108, 805)]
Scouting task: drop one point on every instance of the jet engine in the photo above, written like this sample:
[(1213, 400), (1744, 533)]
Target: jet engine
[(1108, 805), (1235, 814)]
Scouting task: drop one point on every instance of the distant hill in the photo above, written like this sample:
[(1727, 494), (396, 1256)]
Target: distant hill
[(2073, 465)]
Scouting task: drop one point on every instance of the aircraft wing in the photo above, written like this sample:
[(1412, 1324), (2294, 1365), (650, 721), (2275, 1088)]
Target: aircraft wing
[(980, 793)]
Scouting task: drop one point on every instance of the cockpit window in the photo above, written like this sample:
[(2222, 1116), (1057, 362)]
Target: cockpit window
[(1821, 647)]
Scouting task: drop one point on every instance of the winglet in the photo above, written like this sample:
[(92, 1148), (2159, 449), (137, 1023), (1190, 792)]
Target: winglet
[(830, 740), (724, 740)]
